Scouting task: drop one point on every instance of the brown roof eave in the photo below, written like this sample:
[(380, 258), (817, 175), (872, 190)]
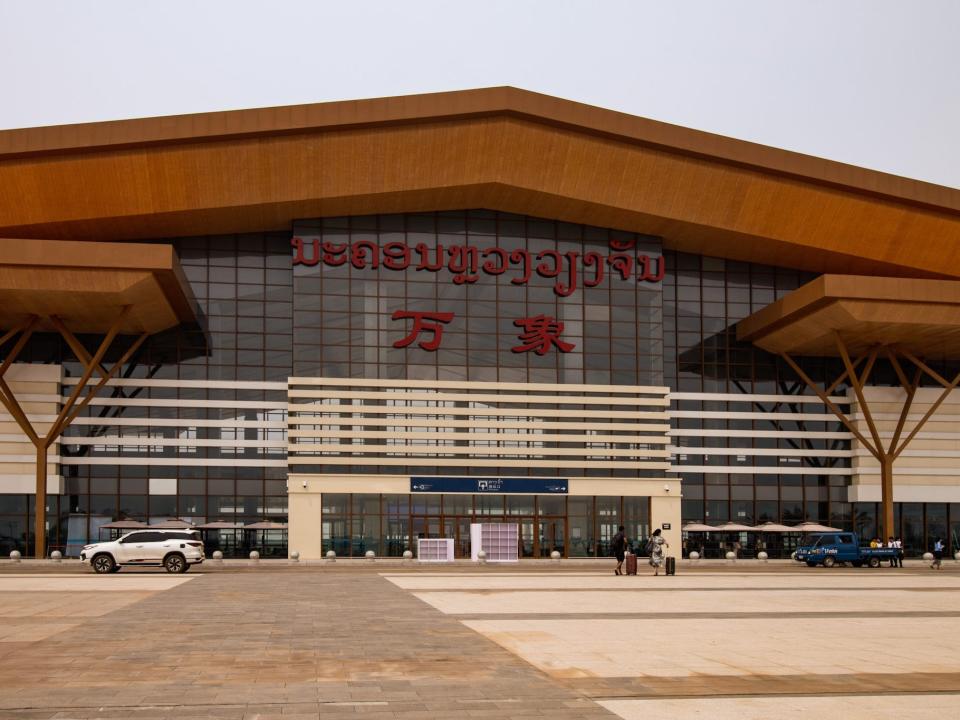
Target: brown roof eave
[(466, 104)]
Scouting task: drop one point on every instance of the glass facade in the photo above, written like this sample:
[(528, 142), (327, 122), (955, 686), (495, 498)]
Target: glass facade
[(483, 272), (344, 300), (390, 524)]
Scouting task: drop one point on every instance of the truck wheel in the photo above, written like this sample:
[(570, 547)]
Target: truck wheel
[(829, 562), (874, 562)]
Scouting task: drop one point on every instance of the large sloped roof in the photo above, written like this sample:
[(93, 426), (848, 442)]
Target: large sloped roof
[(497, 148)]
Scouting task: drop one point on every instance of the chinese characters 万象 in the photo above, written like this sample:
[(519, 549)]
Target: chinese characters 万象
[(539, 334)]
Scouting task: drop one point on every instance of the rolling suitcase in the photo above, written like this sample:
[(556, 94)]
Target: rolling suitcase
[(671, 565), (631, 562)]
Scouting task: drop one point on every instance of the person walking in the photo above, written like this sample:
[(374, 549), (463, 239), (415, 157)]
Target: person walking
[(898, 544), (655, 549), (619, 546), (937, 555), (891, 543)]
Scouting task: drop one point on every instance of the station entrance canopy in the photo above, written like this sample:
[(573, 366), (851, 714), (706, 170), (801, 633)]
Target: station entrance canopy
[(908, 322), (70, 288)]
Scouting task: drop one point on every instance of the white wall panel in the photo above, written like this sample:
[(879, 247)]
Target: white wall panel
[(464, 425)]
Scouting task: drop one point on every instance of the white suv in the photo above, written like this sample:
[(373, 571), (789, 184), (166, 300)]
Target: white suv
[(175, 550)]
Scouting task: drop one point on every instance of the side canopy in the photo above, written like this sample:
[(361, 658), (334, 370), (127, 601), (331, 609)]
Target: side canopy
[(106, 289), (916, 315), (861, 319), (87, 284)]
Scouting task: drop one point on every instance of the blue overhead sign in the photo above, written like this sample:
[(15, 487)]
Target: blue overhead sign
[(526, 486)]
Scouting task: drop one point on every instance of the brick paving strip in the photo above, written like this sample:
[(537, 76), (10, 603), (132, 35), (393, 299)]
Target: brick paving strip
[(266, 645), (892, 614), (919, 684)]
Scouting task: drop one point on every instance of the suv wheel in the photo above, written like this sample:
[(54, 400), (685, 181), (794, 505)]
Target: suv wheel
[(175, 563), (103, 563), (829, 562)]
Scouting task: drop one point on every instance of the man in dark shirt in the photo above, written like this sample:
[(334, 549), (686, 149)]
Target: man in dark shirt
[(619, 546)]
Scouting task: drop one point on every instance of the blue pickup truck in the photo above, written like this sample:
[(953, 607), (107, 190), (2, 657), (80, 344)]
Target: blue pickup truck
[(836, 548)]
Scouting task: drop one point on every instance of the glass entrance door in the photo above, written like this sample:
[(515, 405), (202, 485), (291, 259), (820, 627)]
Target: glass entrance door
[(458, 528), (551, 536), (528, 536), (424, 527)]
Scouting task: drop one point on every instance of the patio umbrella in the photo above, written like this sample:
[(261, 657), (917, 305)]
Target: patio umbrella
[(220, 525), (173, 525), (735, 527), (774, 528), (121, 525), (809, 527), (698, 527)]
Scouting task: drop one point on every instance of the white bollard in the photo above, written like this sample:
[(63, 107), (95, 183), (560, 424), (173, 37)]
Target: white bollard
[(956, 556), (294, 556), (218, 557), (331, 556), (370, 555), (928, 557), (731, 556), (15, 556), (762, 556), (694, 556), (56, 556), (254, 557), (407, 556), (555, 556), (482, 556)]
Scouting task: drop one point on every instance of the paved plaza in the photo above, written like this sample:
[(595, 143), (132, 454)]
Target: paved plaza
[(382, 640)]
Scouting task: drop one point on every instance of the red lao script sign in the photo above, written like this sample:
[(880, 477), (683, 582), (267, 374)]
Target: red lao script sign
[(466, 262)]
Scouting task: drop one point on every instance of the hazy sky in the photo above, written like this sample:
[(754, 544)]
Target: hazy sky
[(868, 82)]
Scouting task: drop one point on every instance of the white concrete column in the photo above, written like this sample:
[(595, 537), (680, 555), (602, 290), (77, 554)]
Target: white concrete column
[(665, 509), (305, 528)]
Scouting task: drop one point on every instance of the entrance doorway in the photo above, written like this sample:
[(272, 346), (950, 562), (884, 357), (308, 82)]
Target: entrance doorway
[(551, 536), (390, 524), (424, 527), (458, 528)]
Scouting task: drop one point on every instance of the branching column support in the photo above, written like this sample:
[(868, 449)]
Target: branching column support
[(70, 409), (885, 455)]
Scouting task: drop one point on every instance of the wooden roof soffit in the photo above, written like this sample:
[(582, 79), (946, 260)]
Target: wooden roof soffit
[(86, 284), (922, 316)]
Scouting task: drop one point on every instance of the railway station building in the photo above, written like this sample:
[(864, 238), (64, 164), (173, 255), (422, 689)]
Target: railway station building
[(357, 324)]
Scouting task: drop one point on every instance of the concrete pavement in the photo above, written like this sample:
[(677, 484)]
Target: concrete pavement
[(535, 640)]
